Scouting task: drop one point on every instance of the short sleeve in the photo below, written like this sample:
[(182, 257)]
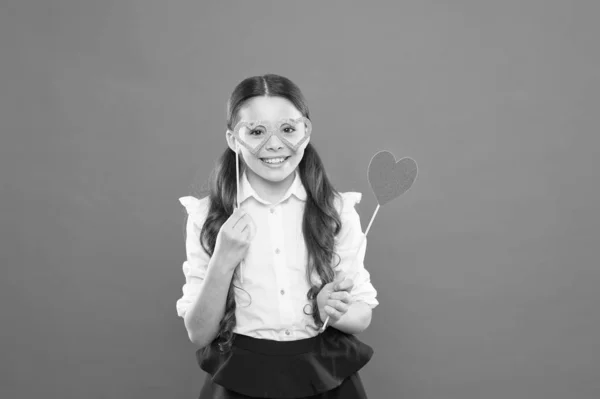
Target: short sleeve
[(196, 263), (348, 242)]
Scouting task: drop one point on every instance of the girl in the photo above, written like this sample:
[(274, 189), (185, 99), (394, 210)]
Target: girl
[(258, 326)]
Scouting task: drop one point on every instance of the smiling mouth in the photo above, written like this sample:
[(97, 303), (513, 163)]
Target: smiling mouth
[(275, 161)]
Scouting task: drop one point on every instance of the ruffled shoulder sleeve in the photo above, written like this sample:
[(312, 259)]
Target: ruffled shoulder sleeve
[(196, 263), (195, 208), (348, 200)]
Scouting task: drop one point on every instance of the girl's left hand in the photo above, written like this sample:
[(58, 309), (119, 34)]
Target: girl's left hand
[(334, 300)]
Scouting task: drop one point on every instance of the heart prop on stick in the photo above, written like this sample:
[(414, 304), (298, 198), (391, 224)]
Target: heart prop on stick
[(389, 180)]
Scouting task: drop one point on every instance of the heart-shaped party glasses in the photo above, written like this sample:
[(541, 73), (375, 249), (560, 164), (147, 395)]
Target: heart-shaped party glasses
[(254, 134)]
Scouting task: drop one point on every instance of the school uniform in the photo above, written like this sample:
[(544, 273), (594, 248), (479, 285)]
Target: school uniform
[(278, 352)]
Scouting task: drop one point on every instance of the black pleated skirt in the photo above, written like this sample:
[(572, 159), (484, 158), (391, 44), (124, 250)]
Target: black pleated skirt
[(322, 367)]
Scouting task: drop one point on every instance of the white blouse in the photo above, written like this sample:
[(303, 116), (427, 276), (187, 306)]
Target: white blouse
[(272, 302)]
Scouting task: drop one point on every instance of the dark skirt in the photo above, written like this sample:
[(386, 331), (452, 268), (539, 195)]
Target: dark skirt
[(322, 367)]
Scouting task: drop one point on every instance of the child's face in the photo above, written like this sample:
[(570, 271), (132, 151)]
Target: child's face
[(272, 109)]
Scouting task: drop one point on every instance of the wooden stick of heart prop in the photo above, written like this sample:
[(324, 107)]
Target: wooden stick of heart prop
[(237, 198), (388, 179)]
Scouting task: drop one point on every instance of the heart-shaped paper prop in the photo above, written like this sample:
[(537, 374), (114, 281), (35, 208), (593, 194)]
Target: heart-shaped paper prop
[(390, 179)]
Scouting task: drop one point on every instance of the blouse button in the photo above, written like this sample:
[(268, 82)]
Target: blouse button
[(277, 251), (272, 210), (282, 292), (287, 332)]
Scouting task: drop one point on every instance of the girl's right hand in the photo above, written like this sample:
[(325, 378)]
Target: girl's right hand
[(233, 239)]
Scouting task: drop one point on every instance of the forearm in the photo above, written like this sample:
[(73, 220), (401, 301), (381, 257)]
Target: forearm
[(204, 315), (356, 319)]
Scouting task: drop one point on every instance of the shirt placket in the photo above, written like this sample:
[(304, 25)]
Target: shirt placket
[(280, 262)]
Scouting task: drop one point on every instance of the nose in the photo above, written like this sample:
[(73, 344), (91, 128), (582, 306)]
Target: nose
[(274, 143)]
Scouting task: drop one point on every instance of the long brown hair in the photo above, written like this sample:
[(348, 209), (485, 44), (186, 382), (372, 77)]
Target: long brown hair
[(321, 221)]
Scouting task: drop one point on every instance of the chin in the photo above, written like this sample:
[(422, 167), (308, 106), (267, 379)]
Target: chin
[(272, 175), (275, 175)]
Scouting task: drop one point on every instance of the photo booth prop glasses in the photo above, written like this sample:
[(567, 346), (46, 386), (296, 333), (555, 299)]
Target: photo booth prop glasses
[(255, 134)]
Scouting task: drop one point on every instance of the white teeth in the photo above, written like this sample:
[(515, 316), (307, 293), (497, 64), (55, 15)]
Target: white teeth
[(274, 160)]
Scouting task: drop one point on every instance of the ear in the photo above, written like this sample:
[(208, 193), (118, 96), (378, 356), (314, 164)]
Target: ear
[(305, 144), (231, 140)]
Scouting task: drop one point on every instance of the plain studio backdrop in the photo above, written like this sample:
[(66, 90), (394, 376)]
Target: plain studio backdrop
[(487, 269)]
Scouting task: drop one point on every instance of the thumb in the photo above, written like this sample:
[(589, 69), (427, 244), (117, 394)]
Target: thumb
[(334, 285), (345, 284), (329, 287)]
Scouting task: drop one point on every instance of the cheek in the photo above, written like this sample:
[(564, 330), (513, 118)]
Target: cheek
[(299, 155), (248, 157)]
